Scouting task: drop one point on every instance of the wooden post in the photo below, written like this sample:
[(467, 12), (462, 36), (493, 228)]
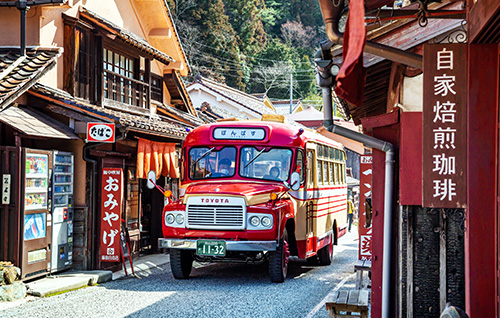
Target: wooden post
[(482, 160), (442, 260)]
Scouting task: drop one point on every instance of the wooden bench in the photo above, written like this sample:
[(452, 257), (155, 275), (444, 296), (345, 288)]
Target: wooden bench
[(344, 303), (360, 267)]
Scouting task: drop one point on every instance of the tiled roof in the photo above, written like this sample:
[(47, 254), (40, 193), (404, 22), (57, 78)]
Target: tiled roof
[(18, 73), (187, 117), (126, 36), (283, 106), (207, 117), (156, 124), (253, 103)]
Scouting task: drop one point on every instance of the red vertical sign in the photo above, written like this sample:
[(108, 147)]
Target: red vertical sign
[(111, 207), (445, 126), (365, 192)]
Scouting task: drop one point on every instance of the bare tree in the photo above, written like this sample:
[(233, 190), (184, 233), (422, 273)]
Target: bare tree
[(296, 34), (273, 76)]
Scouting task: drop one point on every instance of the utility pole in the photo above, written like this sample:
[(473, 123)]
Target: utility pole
[(291, 92)]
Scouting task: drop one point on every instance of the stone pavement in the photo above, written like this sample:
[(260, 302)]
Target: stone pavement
[(70, 280)]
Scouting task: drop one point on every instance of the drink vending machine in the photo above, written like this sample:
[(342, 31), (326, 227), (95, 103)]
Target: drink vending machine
[(62, 210), (36, 219)]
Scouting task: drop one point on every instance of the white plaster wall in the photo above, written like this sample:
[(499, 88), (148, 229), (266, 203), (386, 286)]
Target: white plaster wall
[(120, 12), (199, 96), (412, 94)]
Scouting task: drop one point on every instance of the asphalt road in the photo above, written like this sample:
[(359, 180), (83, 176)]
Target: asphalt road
[(213, 290)]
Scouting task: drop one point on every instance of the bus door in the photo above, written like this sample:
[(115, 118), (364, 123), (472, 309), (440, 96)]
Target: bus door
[(309, 186)]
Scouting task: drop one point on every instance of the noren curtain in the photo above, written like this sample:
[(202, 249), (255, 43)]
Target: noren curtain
[(157, 156)]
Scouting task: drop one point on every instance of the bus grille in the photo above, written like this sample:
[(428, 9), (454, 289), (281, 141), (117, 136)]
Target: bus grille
[(229, 217)]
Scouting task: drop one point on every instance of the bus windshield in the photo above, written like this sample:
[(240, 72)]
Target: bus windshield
[(265, 163), (208, 162)]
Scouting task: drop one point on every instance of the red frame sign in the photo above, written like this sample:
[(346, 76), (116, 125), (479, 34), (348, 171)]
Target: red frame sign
[(111, 210), (365, 191), (100, 132), (445, 126)]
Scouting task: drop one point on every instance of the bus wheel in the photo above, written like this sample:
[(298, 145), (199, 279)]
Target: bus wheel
[(278, 260), (181, 263), (325, 254)]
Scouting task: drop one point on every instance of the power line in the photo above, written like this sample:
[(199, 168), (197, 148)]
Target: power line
[(233, 64), (242, 55)]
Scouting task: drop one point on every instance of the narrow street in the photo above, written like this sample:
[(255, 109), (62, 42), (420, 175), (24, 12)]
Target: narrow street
[(214, 290)]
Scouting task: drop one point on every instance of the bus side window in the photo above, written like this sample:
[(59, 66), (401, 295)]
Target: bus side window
[(299, 167), (319, 164), (310, 158)]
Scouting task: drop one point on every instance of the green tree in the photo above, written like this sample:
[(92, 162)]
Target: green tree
[(245, 18)]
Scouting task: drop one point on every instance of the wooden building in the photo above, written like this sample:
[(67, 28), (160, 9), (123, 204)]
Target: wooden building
[(115, 63)]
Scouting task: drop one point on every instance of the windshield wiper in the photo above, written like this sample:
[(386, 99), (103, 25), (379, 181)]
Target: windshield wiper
[(253, 159), (203, 155)]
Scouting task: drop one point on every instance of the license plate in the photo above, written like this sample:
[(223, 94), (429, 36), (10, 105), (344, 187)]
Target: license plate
[(210, 248)]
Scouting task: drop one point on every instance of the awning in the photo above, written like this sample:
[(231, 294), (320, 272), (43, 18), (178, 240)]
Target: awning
[(157, 156), (33, 123)]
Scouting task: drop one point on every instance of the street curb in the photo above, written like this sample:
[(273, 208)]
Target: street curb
[(49, 286), (66, 282)]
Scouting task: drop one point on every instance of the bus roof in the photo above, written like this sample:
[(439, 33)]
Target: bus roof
[(256, 133)]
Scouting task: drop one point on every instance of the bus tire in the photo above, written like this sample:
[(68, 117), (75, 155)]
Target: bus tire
[(278, 260), (325, 254), (181, 263)]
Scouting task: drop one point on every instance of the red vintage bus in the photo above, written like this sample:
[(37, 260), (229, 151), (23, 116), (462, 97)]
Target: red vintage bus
[(256, 191)]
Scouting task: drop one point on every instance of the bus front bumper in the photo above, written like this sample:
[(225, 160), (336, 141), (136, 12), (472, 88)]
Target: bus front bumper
[(241, 246)]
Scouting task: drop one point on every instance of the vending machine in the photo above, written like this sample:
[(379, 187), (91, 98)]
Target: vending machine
[(36, 219), (62, 210)]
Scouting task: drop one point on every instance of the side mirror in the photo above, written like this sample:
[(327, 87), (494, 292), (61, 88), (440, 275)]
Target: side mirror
[(294, 181), (151, 180)]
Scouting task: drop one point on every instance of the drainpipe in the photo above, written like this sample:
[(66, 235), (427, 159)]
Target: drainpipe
[(87, 157), (331, 15), (388, 148)]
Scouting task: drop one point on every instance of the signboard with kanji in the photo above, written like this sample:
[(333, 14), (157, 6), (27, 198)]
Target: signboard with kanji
[(6, 189), (111, 207), (365, 194), (444, 126), (100, 132)]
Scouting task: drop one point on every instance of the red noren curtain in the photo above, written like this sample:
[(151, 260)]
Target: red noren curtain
[(157, 156)]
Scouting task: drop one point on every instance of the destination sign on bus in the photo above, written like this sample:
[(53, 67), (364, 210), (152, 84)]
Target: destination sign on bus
[(228, 133)]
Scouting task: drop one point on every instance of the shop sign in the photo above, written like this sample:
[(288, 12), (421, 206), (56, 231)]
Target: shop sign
[(444, 126), (223, 133), (6, 189), (111, 207), (365, 192), (100, 132)]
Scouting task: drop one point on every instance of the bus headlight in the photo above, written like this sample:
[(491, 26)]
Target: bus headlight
[(179, 219), (266, 221), (255, 221), (259, 221), (169, 218)]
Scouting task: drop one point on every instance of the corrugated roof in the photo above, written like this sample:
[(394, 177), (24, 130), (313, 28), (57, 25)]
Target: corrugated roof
[(18, 73), (155, 124), (33, 123)]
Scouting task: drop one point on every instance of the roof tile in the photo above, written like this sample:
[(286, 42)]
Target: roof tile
[(17, 80)]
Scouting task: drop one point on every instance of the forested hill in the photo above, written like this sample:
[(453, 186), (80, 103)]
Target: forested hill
[(252, 45)]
